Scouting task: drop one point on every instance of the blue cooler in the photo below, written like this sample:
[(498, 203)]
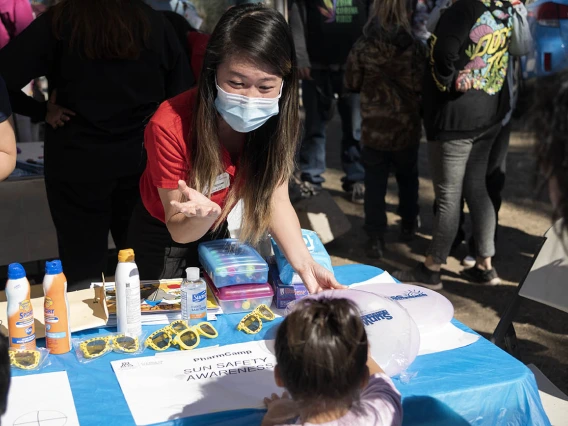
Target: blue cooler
[(315, 247)]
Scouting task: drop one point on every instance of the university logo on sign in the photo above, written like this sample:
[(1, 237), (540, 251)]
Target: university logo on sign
[(126, 365)]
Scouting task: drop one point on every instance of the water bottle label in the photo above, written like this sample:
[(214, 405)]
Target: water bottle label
[(184, 304), (199, 297)]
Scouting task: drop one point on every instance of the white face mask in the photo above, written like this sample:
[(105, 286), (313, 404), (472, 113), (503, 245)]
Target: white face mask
[(245, 114)]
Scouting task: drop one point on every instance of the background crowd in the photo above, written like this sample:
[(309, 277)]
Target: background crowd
[(389, 69), (396, 73)]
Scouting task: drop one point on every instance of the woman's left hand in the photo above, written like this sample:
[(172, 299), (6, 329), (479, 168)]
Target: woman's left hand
[(316, 278)]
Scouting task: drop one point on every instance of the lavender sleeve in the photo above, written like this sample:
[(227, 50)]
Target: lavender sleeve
[(381, 401), (380, 405)]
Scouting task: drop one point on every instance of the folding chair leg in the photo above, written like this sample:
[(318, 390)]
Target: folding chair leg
[(511, 342), (506, 322)]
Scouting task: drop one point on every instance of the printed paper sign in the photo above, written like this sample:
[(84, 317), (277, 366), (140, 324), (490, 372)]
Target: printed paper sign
[(41, 399), (224, 378)]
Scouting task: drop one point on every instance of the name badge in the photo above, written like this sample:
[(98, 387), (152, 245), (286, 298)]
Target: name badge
[(223, 181)]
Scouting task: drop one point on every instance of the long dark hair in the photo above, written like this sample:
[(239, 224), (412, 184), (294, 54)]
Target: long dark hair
[(321, 350), (550, 126), (102, 29), (261, 34), (390, 14)]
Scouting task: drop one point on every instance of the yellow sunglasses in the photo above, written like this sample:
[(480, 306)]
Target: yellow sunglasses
[(189, 338), (160, 340), (179, 333), (98, 346), (252, 323), (26, 360), (178, 326)]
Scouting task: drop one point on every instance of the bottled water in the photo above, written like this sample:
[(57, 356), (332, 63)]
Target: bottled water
[(193, 298)]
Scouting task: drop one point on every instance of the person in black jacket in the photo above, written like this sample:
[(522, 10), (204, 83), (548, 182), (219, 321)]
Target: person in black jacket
[(109, 64), (324, 32), (465, 101)]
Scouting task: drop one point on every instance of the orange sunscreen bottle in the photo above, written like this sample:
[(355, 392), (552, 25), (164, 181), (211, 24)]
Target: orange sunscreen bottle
[(56, 309)]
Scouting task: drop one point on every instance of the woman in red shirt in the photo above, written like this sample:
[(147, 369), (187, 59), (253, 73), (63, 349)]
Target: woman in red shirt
[(233, 137)]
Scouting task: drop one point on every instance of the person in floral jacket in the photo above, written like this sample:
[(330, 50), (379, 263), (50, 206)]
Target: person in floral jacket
[(465, 101), (386, 66)]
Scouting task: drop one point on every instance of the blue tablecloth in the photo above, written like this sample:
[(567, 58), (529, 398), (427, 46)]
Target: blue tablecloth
[(479, 384)]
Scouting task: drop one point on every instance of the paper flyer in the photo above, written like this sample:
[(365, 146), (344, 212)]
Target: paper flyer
[(41, 399), (226, 378), (155, 296)]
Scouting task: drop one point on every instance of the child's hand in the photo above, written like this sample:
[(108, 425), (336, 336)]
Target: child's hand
[(280, 409)]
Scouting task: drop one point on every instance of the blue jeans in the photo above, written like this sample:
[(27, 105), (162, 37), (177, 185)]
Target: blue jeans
[(317, 95)]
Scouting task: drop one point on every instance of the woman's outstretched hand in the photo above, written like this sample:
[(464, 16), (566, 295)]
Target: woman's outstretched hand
[(197, 204)]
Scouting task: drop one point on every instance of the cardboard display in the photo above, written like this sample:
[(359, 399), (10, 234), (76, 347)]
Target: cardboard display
[(88, 309)]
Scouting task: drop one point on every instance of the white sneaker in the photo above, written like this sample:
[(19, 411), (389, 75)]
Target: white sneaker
[(358, 194), (468, 262)]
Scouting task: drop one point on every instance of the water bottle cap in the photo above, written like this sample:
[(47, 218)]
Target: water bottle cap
[(192, 274), (16, 271), (53, 268), (126, 255)]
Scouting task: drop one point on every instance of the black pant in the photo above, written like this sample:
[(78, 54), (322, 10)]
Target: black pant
[(157, 255), (377, 169), (497, 169), (83, 214)]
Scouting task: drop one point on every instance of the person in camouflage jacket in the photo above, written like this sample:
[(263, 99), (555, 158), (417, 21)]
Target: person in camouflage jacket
[(386, 67)]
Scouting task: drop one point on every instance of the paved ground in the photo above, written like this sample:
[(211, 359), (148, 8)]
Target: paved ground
[(542, 331)]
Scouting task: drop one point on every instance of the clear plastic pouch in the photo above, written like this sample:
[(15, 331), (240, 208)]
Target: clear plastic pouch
[(29, 359), (90, 349), (230, 262)]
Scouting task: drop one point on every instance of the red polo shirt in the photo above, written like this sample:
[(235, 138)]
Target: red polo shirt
[(168, 145)]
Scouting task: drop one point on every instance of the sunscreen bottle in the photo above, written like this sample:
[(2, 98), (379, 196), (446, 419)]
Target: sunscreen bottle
[(56, 309), (20, 311), (127, 280)]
